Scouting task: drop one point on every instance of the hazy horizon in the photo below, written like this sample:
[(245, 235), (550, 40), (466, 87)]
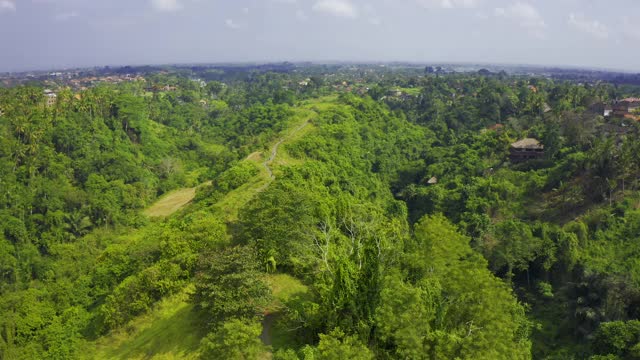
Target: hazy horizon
[(57, 34), (492, 66)]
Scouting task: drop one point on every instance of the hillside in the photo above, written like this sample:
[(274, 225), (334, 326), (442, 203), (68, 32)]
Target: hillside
[(262, 218)]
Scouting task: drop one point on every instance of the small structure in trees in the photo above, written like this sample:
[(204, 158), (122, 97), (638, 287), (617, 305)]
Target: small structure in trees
[(624, 107), (526, 149), (51, 97), (608, 110)]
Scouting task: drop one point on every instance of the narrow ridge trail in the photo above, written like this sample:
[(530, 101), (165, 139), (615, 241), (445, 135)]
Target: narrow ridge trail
[(177, 199), (274, 149), (274, 153)]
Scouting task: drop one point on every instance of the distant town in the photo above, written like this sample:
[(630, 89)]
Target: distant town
[(82, 78)]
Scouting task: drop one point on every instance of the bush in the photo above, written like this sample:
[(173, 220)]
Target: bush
[(235, 339), (236, 176)]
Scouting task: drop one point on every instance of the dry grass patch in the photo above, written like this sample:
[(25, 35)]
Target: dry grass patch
[(171, 202)]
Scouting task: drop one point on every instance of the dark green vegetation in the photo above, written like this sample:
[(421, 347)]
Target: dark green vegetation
[(349, 251)]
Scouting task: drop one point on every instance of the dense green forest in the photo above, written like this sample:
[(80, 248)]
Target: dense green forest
[(330, 216)]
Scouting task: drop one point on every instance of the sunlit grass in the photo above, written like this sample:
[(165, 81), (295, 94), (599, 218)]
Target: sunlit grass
[(170, 331), (283, 288), (286, 290), (171, 202)]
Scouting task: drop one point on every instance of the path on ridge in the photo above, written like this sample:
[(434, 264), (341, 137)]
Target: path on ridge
[(274, 149), (274, 153), (177, 199)]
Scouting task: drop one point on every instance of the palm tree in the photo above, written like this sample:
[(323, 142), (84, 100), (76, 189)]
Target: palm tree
[(77, 224)]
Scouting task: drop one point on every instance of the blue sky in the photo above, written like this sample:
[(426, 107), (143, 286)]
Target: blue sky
[(48, 34)]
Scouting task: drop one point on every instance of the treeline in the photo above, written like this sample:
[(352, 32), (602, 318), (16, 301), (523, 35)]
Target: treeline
[(557, 229)]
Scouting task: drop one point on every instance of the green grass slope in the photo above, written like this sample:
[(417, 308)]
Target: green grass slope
[(172, 329)]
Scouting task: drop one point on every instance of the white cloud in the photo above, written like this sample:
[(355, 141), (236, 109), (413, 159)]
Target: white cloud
[(591, 27), (301, 15), (7, 5), (245, 10), (232, 24), (341, 8), (372, 15), (630, 28), (285, 1), (166, 5), (524, 15), (449, 4), (66, 16)]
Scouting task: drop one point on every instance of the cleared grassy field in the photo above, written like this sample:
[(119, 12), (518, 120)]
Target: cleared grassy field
[(170, 331), (285, 289), (171, 202)]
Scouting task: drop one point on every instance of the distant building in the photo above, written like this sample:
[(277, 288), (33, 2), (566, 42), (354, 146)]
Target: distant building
[(633, 104), (626, 106), (51, 97), (526, 149), (608, 110)]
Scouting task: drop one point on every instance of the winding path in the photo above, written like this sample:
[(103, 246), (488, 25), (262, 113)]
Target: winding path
[(274, 149), (274, 153), (176, 200)]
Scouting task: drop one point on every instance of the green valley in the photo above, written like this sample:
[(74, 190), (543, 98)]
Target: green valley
[(329, 212)]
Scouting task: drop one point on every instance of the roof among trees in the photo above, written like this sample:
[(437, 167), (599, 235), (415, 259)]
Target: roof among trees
[(528, 143)]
